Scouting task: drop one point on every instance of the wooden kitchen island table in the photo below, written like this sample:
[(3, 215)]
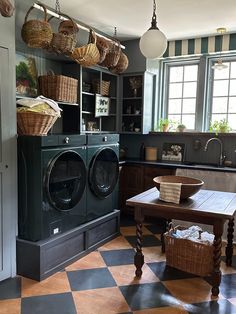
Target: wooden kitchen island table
[(206, 206)]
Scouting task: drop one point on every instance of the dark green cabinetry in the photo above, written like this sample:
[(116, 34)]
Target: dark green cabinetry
[(84, 118), (138, 99)]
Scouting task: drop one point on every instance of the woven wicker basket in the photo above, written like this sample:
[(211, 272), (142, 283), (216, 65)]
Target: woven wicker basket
[(103, 47), (36, 33), (87, 55), (113, 55), (58, 87), (102, 87), (64, 42), (189, 256), (122, 64), (34, 123)]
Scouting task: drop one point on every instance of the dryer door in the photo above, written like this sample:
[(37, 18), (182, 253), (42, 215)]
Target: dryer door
[(104, 172), (65, 180)]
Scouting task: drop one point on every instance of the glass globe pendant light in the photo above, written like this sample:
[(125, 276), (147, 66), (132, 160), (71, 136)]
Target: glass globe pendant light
[(153, 43), (219, 65)]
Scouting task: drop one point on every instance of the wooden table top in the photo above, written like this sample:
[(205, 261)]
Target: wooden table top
[(205, 203)]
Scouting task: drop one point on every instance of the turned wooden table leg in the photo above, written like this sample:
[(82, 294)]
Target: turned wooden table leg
[(216, 274), (229, 247), (163, 249), (138, 258)]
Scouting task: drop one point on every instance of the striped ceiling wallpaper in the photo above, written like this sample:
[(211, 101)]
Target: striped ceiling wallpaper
[(226, 42)]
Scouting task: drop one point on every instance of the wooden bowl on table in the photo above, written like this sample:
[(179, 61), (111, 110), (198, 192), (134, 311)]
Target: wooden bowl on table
[(189, 187)]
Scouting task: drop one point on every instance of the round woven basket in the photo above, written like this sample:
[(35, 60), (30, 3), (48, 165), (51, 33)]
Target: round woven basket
[(34, 123), (113, 55), (103, 47), (122, 64), (68, 27), (87, 55), (64, 42), (36, 33)]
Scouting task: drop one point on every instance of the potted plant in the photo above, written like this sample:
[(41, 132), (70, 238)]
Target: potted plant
[(181, 127), (221, 126), (164, 125)]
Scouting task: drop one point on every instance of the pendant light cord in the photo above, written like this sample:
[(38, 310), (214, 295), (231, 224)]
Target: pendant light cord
[(154, 17)]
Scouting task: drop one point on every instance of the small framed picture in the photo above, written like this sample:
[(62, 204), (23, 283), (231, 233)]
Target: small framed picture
[(101, 106), (173, 151), (26, 76)]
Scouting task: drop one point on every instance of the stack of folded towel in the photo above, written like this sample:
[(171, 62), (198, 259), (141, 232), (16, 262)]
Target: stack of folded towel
[(170, 192)]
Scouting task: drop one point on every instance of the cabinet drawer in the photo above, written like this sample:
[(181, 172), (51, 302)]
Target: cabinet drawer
[(131, 177)]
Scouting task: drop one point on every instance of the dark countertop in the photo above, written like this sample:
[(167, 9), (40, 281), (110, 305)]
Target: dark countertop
[(173, 164)]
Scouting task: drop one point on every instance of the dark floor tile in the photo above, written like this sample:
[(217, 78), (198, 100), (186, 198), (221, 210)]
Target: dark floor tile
[(10, 288), (212, 307), (157, 228), (145, 296), (49, 304), (90, 279), (164, 272), (118, 257), (147, 240)]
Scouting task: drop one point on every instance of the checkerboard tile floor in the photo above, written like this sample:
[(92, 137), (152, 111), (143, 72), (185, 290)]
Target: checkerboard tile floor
[(103, 282)]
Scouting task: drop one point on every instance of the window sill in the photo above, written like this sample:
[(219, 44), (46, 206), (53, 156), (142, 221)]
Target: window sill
[(186, 133)]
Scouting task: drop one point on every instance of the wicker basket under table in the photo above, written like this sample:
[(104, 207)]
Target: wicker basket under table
[(58, 87), (189, 256)]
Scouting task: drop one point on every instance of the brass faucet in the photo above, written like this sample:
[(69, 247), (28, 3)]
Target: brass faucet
[(222, 156)]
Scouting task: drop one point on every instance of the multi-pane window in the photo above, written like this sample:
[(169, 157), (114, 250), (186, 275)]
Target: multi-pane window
[(223, 105), (182, 92)]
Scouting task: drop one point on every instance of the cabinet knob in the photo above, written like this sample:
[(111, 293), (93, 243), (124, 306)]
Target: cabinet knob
[(105, 139), (67, 140)]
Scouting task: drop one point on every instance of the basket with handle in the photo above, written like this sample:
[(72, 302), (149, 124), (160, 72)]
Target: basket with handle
[(103, 47), (37, 33), (122, 64), (87, 55), (58, 87), (64, 41), (187, 255), (113, 55)]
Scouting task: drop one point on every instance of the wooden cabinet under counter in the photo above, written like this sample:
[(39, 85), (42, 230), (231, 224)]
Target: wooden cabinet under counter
[(137, 178), (150, 172)]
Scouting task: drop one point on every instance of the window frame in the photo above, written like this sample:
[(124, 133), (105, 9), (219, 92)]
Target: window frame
[(164, 86), (209, 87), (204, 97)]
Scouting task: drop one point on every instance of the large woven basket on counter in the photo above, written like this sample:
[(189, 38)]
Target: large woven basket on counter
[(34, 123), (58, 87), (37, 33), (189, 256)]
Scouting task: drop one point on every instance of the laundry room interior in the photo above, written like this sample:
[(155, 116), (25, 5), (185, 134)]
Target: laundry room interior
[(118, 157)]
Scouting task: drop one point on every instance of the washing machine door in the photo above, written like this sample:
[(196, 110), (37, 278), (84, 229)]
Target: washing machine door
[(104, 172), (65, 180)]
